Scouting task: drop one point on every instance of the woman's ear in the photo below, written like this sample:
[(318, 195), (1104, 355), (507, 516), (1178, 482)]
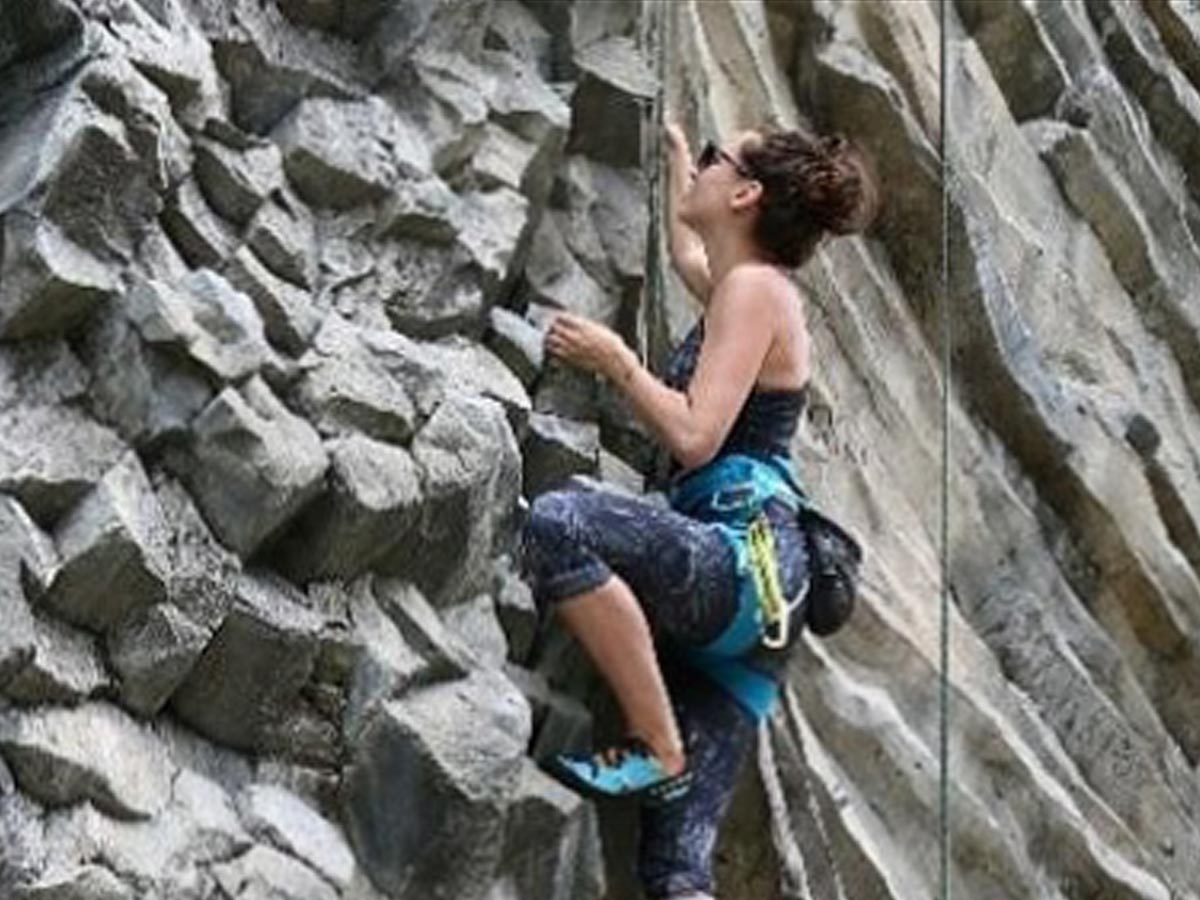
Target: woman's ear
[(745, 195)]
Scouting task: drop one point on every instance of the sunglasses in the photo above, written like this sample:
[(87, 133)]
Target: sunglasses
[(711, 154)]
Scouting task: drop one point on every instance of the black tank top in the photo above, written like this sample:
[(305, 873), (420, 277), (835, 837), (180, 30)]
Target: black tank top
[(767, 420)]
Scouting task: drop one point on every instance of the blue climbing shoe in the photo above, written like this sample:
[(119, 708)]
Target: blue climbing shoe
[(626, 770)]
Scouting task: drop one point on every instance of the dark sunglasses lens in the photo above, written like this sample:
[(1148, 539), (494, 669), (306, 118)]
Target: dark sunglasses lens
[(708, 155)]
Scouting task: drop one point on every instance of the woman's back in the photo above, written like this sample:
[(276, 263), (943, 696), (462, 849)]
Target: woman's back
[(767, 420)]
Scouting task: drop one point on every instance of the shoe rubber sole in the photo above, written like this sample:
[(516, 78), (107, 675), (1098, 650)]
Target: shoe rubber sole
[(665, 791)]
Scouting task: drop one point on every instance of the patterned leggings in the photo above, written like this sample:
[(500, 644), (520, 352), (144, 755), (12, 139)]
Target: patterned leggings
[(682, 571)]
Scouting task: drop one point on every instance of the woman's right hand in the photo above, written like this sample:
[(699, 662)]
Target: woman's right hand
[(676, 140)]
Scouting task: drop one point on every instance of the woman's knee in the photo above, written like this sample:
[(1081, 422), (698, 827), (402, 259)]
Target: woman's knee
[(549, 518), (549, 535)]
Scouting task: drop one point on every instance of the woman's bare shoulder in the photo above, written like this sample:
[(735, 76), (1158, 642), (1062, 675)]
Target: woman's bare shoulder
[(760, 281)]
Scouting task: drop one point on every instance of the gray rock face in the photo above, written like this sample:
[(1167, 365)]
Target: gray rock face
[(422, 629), (152, 652), (614, 76), (559, 279), (93, 752), (50, 453), (236, 182), (262, 872), (47, 283), (23, 850), (38, 30), (502, 159), (140, 386), (420, 29), (23, 548), (426, 210), (282, 235), (557, 448), (267, 64), (112, 551), (493, 227), (339, 155), (394, 652), (346, 388), (549, 838), (453, 751), (40, 373), (515, 609), (607, 218), (85, 883), (562, 723), (476, 622), (372, 500), (289, 318), (517, 342), (167, 856), (516, 29), (439, 290), (198, 233), (244, 691), (471, 480), (214, 324), (203, 574), (473, 369), (253, 465), (51, 456), (91, 128), (217, 184), (166, 46), (529, 107), (567, 392), (65, 667), (279, 817)]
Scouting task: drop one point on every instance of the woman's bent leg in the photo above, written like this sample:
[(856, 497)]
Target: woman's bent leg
[(681, 570), (610, 625), (620, 570)]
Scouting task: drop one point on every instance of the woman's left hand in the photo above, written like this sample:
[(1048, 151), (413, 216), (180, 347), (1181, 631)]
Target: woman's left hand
[(583, 343)]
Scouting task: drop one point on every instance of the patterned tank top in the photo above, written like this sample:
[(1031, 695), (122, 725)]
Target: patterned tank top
[(767, 420)]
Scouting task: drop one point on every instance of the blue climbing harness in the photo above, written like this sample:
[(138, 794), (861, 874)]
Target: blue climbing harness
[(731, 491)]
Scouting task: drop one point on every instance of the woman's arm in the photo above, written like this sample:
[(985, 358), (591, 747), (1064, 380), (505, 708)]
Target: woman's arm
[(688, 256), (740, 326)]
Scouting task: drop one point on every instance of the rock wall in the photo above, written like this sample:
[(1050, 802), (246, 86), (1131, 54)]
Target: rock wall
[(270, 387), (272, 274)]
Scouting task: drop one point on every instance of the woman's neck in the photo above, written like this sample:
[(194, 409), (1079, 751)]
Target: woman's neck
[(728, 250)]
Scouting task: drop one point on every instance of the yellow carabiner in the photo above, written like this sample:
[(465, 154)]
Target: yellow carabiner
[(765, 567)]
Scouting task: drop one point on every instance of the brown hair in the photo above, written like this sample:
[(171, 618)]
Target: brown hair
[(811, 186)]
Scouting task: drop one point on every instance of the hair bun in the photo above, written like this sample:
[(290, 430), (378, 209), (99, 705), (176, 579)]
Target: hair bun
[(831, 145), (841, 189), (812, 185)]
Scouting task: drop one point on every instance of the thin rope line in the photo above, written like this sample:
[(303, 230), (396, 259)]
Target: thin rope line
[(944, 699), (652, 127)]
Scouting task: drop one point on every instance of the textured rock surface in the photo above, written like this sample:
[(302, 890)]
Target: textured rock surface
[(93, 753), (273, 281), (454, 752), (112, 548)]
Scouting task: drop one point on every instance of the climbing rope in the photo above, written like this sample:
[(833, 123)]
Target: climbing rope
[(944, 698), (653, 163)]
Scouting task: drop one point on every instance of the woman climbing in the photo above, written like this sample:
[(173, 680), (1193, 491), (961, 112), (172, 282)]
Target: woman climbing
[(671, 604)]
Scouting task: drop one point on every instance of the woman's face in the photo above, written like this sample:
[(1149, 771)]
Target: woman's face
[(710, 198)]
